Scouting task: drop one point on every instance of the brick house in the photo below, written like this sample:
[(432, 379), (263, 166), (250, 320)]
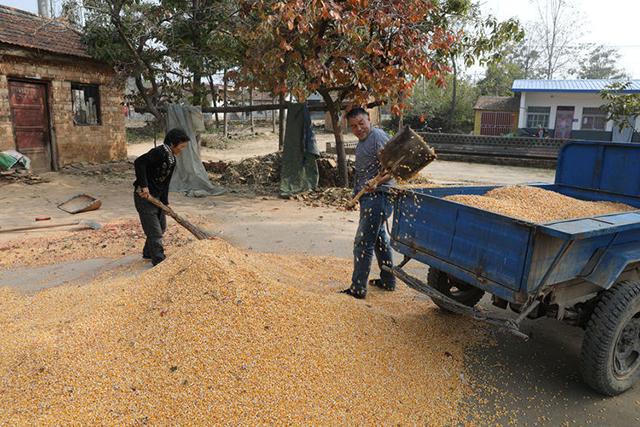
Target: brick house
[(57, 104)]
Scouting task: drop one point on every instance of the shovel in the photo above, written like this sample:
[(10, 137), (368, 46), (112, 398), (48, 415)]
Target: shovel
[(402, 157), (80, 203), (85, 223)]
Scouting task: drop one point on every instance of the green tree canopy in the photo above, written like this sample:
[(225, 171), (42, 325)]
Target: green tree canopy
[(499, 76), (600, 62), (620, 106), (167, 46)]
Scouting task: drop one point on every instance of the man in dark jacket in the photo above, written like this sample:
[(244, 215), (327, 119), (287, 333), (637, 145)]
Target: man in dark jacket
[(153, 175)]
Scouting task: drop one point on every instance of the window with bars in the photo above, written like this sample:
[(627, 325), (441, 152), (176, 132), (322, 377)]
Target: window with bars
[(594, 119), (538, 117), (85, 101)]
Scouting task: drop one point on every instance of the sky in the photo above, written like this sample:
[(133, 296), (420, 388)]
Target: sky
[(610, 22)]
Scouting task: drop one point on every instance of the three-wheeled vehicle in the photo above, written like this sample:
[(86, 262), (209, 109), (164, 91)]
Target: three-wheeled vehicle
[(584, 271)]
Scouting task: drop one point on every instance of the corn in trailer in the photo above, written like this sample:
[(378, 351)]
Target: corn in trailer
[(583, 271)]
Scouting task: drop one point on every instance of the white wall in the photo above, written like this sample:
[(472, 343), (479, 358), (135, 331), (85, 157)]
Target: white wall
[(522, 115), (562, 99)]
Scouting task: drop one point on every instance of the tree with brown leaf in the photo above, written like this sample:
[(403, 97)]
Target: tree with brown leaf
[(349, 51)]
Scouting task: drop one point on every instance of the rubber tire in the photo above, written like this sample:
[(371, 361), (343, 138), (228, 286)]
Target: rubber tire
[(440, 281), (615, 307)]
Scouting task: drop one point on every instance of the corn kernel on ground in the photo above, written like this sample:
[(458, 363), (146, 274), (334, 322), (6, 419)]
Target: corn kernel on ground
[(216, 335)]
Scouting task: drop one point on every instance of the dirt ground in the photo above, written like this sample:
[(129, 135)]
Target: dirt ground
[(532, 383)]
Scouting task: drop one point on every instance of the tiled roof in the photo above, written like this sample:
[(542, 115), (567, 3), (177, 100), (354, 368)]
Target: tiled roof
[(24, 29), (583, 85), (497, 103)]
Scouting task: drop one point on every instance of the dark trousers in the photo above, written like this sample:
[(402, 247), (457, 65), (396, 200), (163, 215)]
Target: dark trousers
[(372, 237), (154, 224)]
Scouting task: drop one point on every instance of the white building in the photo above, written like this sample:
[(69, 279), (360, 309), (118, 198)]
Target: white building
[(570, 109)]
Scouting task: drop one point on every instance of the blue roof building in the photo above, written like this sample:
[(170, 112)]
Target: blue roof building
[(569, 86), (570, 109)]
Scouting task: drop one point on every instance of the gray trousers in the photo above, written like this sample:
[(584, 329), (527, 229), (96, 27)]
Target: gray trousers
[(154, 224)]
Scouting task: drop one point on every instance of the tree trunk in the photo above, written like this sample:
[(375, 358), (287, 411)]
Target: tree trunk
[(281, 130), (273, 118), (252, 121), (149, 101), (244, 115), (343, 173), (400, 122), (196, 88), (214, 97), (225, 120), (334, 108), (401, 115), (454, 99)]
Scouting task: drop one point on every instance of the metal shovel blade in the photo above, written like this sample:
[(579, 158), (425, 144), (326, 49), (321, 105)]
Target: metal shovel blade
[(80, 203)]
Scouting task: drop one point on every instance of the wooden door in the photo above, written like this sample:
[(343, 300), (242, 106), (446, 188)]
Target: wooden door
[(564, 123), (30, 119)]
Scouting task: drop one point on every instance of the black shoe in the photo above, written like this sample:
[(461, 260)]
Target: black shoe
[(158, 260), (359, 294), (378, 283), (145, 256)]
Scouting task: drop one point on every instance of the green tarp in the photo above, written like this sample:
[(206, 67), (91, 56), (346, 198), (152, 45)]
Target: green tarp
[(11, 158), (299, 168)]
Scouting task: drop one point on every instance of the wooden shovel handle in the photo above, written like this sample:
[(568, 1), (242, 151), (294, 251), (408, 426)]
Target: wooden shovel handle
[(381, 177), (37, 227), (159, 204), (200, 234)]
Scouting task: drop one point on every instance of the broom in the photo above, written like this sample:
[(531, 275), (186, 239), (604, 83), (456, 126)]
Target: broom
[(193, 229)]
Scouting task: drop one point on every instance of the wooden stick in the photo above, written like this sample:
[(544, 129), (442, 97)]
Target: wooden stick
[(199, 233), (381, 177), (36, 227), (320, 106), (86, 223)]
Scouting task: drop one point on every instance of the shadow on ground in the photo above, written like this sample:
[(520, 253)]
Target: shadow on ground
[(538, 382)]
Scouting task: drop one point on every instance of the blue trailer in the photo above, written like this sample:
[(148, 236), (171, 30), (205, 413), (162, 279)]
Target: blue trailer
[(585, 271)]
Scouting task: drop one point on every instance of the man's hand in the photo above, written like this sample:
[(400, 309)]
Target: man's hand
[(144, 193), (370, 185)]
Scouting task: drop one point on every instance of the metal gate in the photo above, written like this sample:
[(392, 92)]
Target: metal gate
[(496, 123), (29, 114)]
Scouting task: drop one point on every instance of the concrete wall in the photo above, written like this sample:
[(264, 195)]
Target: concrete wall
[(93, 143)]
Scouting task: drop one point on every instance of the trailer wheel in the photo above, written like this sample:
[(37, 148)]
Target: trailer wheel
[(611, 346), (453, 288)]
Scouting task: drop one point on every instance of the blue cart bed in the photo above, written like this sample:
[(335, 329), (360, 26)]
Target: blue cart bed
[(515, 259)]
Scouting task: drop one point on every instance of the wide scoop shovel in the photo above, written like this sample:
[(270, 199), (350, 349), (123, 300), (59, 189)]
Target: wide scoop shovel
[(402, 158)]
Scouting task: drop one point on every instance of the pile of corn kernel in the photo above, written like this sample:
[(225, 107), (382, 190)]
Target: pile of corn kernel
[(217, 335), (537, 205)]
